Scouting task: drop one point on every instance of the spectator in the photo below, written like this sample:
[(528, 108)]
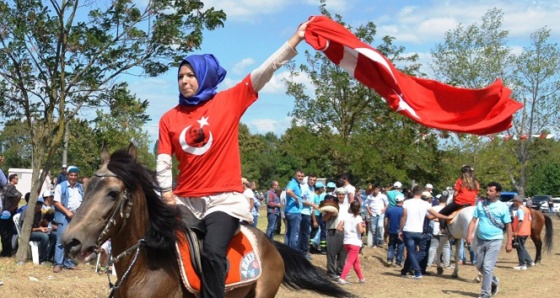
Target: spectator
[(336, 255), (393, 217), (10, 200), (308, 203), (492, 217), (256, 204), (272, 201), (330, 188), (63, 176), (248, 193), (376, 205), (415, 211), (353, 227), (350, 190), (393, 192), (68, 197), (293, 209), (318, 233), (522, 230), (440, 246), (41, 233), (26, 198)]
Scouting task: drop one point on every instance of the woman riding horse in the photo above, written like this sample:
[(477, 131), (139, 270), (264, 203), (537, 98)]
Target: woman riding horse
[(122, 203)]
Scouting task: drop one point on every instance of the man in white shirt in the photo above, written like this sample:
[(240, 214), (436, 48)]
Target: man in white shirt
[(376, 205), (350, 190), (415, 211)]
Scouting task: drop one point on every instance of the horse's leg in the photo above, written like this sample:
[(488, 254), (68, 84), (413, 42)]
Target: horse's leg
[(457, 243), (536, 237), (272, 274)]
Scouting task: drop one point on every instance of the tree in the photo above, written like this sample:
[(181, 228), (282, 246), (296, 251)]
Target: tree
[(59, 57), (537, 85), (475, 56), (123, 123)]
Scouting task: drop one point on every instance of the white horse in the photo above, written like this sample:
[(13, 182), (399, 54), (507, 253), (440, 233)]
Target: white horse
[(459, 229)]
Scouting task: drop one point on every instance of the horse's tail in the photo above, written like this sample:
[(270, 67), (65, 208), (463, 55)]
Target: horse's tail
[(302, 275), (548, 241)]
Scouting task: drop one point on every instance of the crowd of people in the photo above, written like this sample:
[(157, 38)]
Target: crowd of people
[(59, 200), (336, 219)]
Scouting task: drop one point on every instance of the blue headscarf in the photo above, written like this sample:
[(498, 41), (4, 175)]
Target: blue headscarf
[(209, 74)]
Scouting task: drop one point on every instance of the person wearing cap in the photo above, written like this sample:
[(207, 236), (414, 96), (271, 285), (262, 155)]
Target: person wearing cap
[(392, 193), (330, 188), (393, 217), (336, 254), (318, 234), (68, 197), (415, 212), (63, 176), (41, 233), (521, 230), (48, 198), (272, 201)]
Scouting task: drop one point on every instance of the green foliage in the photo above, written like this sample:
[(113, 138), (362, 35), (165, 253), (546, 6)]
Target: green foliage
[(58, 57), (545, 179)]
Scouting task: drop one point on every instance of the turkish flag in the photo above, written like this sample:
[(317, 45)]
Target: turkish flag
[(428, 102)]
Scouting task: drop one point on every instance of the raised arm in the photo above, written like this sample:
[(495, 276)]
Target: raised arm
[(263, 74)]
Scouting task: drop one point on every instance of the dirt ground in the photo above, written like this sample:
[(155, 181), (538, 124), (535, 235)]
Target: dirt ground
[(540, 281)]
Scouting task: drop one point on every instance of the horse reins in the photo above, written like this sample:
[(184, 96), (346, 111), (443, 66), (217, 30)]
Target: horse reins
[(124, 206)]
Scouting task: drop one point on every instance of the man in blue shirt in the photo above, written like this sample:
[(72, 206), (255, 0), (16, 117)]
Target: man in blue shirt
[(294, 204), (493, 217), (393, 217)]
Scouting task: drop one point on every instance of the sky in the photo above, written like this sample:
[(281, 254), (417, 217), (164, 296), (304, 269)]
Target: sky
[(255, 29)]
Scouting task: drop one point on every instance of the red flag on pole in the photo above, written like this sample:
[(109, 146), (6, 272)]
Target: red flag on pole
[(428, 102)]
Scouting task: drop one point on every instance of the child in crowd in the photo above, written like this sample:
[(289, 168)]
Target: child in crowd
[(353, 227)]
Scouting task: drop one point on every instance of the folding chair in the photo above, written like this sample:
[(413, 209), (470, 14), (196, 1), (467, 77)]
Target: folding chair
[(34, 244)]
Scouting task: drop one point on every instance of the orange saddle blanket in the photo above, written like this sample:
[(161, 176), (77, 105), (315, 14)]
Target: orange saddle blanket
[(242, 255)]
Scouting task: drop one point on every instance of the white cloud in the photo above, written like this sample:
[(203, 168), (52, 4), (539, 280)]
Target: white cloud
[(277, 85), (263, 126), (240, 67), (334, 6), (241, 9), (428, 23)]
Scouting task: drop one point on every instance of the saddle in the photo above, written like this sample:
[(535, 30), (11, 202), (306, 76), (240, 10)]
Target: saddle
[(243, 257), (452, 216)]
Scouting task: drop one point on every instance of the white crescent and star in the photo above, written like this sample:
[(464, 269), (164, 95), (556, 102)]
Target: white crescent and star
[(195, 150)]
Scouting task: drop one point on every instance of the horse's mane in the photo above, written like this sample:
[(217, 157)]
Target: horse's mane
[(160, 237)]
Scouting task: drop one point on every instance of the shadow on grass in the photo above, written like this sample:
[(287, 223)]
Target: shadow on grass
[(462, 293)]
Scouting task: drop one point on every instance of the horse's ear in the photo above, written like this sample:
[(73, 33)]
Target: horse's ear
[(132, 151), (105, 154)]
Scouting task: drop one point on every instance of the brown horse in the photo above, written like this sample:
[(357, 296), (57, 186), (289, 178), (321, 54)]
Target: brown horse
[(121, 203), (538, 221)]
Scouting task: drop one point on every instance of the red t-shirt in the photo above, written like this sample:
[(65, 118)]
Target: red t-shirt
[(204, 139), (464, 195)]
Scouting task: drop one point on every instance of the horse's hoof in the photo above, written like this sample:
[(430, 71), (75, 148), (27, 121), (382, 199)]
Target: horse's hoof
[(439, 270), (477, 279), (455, 275)]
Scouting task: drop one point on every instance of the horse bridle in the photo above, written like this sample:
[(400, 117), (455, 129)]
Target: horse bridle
[(124, 206)]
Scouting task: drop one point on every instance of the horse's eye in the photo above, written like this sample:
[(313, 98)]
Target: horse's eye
[(113, 194)]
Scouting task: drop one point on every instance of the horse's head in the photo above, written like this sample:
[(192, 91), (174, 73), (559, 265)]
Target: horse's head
[(121, 202), (105, 208)]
